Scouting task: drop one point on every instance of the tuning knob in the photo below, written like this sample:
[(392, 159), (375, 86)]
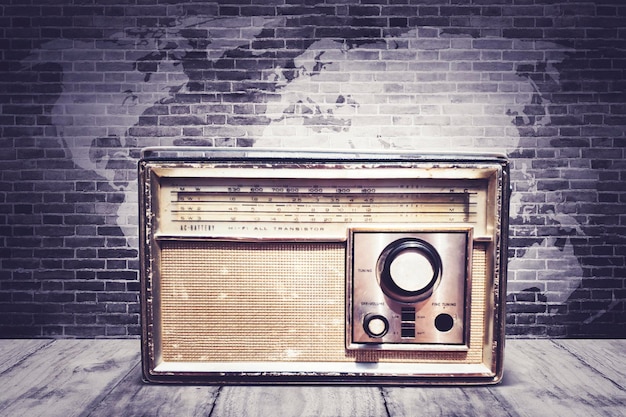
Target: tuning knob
[(409, 270)]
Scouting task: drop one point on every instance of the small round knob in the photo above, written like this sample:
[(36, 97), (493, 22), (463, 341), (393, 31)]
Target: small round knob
[(408, 269), (375, 325), (444, 322)]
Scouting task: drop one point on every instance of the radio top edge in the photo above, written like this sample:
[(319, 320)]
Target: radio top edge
[(201, 153)]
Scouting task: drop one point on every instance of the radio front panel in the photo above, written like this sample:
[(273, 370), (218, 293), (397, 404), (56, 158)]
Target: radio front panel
[(279, 267)]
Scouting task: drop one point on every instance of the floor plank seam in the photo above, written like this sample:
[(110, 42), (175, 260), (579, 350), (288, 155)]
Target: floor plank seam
[(89, 409), (6, 404), (22, 360), (216, 397), (385, 404), (501, 400), (588, 366)]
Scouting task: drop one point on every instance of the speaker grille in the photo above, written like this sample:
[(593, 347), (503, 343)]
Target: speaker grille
[(252, 301), (273, 301)]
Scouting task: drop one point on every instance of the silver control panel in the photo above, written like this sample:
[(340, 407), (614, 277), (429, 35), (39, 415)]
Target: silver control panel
[(409, 288)]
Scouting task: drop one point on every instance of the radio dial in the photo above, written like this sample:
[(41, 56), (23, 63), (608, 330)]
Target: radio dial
[(409, 269), (375, 325)]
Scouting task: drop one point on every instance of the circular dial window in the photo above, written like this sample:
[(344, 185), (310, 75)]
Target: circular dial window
[(408, 269)]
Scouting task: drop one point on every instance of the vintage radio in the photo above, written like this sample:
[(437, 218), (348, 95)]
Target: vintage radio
[(271, 266)]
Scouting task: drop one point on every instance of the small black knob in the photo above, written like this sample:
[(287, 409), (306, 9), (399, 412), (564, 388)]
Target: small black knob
[(444, 322)]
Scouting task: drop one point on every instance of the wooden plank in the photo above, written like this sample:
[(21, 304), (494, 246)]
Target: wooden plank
[(542, 379), (607, 356), (13, 351), (279, 401), (443, 401), (65, 376), (132, 397)]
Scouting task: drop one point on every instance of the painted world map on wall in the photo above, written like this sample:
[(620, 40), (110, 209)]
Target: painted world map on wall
[(421, 89)]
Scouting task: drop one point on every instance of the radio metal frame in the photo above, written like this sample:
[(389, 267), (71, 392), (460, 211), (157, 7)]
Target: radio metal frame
[(312, 159)]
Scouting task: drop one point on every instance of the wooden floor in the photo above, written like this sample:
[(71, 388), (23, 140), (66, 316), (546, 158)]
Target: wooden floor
[(103, 378)]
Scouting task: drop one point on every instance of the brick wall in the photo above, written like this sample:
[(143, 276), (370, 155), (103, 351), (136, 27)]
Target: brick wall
[(85, 84)]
